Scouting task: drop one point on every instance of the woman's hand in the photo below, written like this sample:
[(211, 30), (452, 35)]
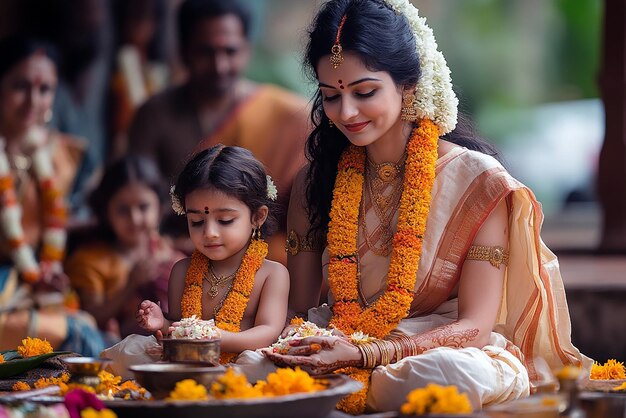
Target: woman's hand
[(319, 355), (149, 316)]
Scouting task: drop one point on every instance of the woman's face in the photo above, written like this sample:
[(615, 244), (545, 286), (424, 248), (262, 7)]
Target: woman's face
[(26, 93), (363, 104), (133, 214)]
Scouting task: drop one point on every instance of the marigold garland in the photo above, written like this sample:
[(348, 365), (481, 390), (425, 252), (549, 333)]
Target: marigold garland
[(53, 203), (379, 319), (229, 316)]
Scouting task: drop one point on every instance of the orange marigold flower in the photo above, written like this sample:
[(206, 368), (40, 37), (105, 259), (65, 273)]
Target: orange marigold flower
[(611, 370), (34, 347), (188, 389), (286, 380), (20, 386), (1, 358)]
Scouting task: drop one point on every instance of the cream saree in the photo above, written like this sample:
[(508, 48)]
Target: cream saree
[(533, 320)]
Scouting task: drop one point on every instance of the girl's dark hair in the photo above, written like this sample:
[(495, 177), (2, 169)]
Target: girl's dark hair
[(233, 171), (384, 41), (17, 48), (118, 174)]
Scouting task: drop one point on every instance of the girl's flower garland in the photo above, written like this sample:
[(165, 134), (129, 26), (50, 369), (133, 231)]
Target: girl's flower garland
[(54, 209), (393, 305), (229, 316)]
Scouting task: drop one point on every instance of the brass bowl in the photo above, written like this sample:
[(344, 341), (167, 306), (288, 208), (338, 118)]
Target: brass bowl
[(161, 378), (180, 350), (85, 366)]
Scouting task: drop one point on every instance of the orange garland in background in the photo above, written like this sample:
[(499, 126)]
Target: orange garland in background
[(379, 319), (54, 209), (229, 317)]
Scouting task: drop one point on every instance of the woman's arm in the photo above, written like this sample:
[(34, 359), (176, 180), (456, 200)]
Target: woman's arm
[(305, 266), (480, 292), (270, 315)]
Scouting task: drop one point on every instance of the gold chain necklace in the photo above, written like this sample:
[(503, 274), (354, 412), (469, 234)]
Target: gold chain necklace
[(385, 206), (215, 281)]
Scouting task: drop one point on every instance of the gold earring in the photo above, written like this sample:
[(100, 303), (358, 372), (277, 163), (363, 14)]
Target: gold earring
[(256, 233), (409, 107), (330, 123)]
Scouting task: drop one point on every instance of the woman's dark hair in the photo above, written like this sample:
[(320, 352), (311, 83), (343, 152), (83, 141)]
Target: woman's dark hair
[(118, 174), (193, 11), (385, 42), (233, 171), (16, 48)]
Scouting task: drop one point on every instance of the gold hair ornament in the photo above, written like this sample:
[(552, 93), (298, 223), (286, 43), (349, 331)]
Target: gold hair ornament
[(335, 52)]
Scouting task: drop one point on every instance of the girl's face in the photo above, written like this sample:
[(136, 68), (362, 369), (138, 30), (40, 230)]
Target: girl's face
[(364, 105), (133, 213), (220, 225), (27, 93)]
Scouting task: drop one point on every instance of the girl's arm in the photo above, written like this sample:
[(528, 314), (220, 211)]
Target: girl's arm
[(270, 315), (305, 268)]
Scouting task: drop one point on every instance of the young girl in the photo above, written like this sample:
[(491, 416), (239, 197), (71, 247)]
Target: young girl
[(226, 196), (129, 261)]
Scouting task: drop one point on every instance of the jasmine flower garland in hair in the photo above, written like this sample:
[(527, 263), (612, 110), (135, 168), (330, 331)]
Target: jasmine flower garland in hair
[(272, 191), (177, 206), (433, 92)]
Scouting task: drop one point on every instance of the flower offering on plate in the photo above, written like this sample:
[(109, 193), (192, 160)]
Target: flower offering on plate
[(195, 329), (300, 331)]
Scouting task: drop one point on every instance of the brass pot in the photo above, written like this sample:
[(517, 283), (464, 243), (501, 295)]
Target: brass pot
[(180, 350)]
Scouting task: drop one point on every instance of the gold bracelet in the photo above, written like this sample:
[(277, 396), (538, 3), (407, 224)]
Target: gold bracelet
[(495, 255), (369, 361), (384, 354), (397, 348), (296, 243)]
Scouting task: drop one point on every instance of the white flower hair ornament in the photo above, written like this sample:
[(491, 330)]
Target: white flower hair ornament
[(177, 206), (433, 92), (272, 191)]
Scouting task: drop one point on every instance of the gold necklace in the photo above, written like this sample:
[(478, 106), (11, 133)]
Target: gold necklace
[(385, 207), (216, 282), (387, 172)]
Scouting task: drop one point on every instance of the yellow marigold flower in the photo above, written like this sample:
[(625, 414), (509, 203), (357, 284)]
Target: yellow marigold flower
[(108, 382), (44, 382), (188, 390), (285, 381), (296, 320), (436, 399), (19, 386), (620, 387), (232, 385), (34, 347), (611, 370), (569, 372), (92, 413)]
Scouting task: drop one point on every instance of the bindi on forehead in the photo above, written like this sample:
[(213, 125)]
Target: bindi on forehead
[(206, 210), (340, 84)]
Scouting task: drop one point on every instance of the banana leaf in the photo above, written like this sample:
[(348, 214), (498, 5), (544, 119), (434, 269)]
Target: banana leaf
[(14, 364)]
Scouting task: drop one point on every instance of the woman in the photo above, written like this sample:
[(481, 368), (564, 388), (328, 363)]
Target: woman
[(430, 247), (37, 168)]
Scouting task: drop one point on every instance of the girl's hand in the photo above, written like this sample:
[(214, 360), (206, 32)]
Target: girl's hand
[(149, 316), (319, 355)]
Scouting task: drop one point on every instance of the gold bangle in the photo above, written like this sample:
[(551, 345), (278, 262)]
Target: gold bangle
[(495, 255), (296, 243)]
